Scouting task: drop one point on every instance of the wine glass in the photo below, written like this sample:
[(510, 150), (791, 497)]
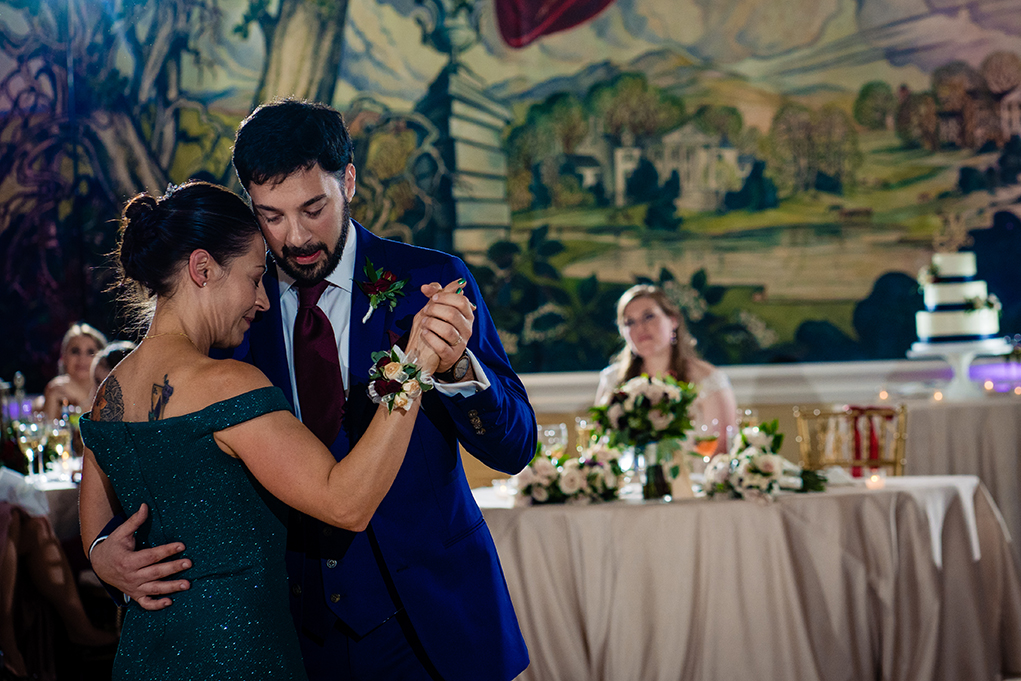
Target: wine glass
[(706, 437), (32, 439), (553, 439), (59, 440), (584, 431)]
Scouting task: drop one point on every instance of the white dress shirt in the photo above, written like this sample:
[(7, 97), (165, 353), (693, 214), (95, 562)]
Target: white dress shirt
[(336, 303)]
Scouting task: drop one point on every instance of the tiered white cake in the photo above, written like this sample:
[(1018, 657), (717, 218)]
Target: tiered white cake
[(958, 307)]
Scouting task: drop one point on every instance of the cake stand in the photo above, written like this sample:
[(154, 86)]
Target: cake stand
[(960, 356)]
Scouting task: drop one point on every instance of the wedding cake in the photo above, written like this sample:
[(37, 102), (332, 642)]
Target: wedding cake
[(958, 307)]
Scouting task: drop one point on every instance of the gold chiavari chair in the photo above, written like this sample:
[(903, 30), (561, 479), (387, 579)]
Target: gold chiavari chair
[(858, 438)]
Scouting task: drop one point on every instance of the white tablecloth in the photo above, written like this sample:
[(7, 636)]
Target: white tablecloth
[(980, 437), (842, 585)]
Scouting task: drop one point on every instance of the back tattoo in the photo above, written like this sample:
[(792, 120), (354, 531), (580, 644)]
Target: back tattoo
[(160, 396), (110, 400)]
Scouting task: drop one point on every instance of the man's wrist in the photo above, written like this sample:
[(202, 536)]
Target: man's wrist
[(459, 371), (96, 542)]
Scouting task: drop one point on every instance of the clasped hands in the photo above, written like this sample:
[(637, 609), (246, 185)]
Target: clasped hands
[(440, 331)]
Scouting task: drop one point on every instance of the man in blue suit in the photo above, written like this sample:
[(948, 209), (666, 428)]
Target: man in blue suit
[(420, 594)]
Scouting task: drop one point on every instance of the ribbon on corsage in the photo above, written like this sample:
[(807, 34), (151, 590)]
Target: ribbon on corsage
[(381, 286)]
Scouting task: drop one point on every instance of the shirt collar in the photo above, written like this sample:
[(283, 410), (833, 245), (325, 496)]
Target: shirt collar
[(342, 275)]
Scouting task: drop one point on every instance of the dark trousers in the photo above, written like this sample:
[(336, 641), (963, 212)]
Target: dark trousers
[(391, 651)]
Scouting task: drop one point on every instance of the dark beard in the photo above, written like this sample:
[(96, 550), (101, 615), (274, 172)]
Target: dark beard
[(307, 275)]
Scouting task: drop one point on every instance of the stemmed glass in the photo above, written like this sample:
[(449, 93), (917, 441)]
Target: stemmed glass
[(59, 440), (32, 438), (553, 439)]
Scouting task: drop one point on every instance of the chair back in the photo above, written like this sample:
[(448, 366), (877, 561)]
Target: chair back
[(858, 438)]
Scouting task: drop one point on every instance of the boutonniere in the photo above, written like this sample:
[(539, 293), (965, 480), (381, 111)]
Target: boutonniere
[(381, 286)]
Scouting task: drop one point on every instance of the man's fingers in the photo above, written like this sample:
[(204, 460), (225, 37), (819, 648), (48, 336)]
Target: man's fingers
[(134, 521), (151, 604), (431, 289), (157, 554), (159, 587), (161, 571)]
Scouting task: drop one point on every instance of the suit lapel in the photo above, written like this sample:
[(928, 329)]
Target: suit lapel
[(370, 336)]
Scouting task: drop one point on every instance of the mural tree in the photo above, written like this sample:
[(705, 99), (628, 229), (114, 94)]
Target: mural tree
[(304, 42), (875, 106)]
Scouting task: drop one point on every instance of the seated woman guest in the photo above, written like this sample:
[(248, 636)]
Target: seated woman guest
[(107, 358), (205, 442), (73, 385), (658, 344)]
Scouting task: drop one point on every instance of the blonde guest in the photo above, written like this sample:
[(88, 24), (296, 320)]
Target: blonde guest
[(73, 384), (657, 343)]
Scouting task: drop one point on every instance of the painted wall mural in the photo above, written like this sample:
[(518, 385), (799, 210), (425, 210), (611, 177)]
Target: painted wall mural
[(781, 166)]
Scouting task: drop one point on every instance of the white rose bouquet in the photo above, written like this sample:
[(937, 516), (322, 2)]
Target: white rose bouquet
[(754, 469), (592, 477), (645, 410)]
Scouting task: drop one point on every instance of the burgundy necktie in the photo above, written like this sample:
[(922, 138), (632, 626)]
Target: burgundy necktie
[(317, 367)]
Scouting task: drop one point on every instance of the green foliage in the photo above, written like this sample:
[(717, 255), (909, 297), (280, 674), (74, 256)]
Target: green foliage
[(875, 105)]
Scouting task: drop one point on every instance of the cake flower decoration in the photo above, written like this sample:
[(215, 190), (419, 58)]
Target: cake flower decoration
[(381, 286)]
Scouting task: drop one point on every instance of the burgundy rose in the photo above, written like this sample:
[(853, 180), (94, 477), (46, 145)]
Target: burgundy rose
[(380, 285), (383, 361), (385, 387)]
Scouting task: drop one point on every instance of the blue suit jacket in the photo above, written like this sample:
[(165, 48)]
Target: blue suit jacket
[(429, 530)]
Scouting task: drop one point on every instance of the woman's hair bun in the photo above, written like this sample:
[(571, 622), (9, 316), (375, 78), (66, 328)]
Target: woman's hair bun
[(140, 234)]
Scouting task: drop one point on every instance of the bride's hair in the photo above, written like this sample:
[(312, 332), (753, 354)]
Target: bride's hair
[(683, 349)]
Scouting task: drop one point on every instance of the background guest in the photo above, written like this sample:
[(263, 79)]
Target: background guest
[(658, 344), (106, 359), (73, 384)]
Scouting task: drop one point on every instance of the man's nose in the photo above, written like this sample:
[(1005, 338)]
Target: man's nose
[(297, 235)]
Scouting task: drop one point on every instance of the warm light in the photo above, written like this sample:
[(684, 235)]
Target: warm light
[(875, 481), (883, 395), (939, 396), (1017, 390), (988, 385)]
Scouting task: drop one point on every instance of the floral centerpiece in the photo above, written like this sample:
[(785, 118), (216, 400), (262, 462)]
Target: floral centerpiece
[(645, 411), (592, 477), (753, 468)]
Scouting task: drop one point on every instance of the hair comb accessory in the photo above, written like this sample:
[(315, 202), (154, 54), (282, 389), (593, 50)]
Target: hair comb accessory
[(171, 188)]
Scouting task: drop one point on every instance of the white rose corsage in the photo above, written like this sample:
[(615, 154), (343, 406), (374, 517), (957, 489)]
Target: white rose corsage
[(396, 380)]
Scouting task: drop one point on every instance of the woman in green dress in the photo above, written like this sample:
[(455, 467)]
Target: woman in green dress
[(201, 441)]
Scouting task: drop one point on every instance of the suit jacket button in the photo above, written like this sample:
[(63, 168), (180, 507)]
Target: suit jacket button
[(296, 589), (327, 531), (331, 563), (335, 598)]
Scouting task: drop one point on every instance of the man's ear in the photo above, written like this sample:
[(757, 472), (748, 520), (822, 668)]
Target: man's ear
[(349, 181), (199, 265)]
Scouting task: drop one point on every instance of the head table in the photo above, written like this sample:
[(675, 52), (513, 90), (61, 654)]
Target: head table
[(913, 581)]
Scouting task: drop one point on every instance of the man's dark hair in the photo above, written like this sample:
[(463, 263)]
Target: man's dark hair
[(288, 135)]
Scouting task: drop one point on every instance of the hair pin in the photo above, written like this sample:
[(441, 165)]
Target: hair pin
[(171, 188)]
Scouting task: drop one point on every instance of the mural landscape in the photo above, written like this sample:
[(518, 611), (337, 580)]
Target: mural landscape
[(782, 167)]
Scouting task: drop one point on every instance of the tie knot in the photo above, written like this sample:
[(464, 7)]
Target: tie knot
[(308, 296)]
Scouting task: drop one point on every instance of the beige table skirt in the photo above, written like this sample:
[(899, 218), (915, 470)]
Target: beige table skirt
[(841, 585), (980, 437)]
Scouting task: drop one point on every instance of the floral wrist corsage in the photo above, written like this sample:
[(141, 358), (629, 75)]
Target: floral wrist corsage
[(395, 379)]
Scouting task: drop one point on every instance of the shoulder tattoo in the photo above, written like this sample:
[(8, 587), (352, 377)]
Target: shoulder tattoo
[(110, 400), (160, 396)]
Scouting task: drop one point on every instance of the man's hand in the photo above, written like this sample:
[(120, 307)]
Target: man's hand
[(444, 324), (139, 574)]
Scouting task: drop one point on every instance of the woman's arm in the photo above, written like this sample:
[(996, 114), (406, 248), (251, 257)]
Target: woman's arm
[(294, 466)]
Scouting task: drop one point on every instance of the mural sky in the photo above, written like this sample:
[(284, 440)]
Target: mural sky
[(780, 165)]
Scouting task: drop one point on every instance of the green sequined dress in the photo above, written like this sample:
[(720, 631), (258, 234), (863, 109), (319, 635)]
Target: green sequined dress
[(234, 622)]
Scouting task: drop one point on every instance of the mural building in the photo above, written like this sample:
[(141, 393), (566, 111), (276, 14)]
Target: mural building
[(781, 167)]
